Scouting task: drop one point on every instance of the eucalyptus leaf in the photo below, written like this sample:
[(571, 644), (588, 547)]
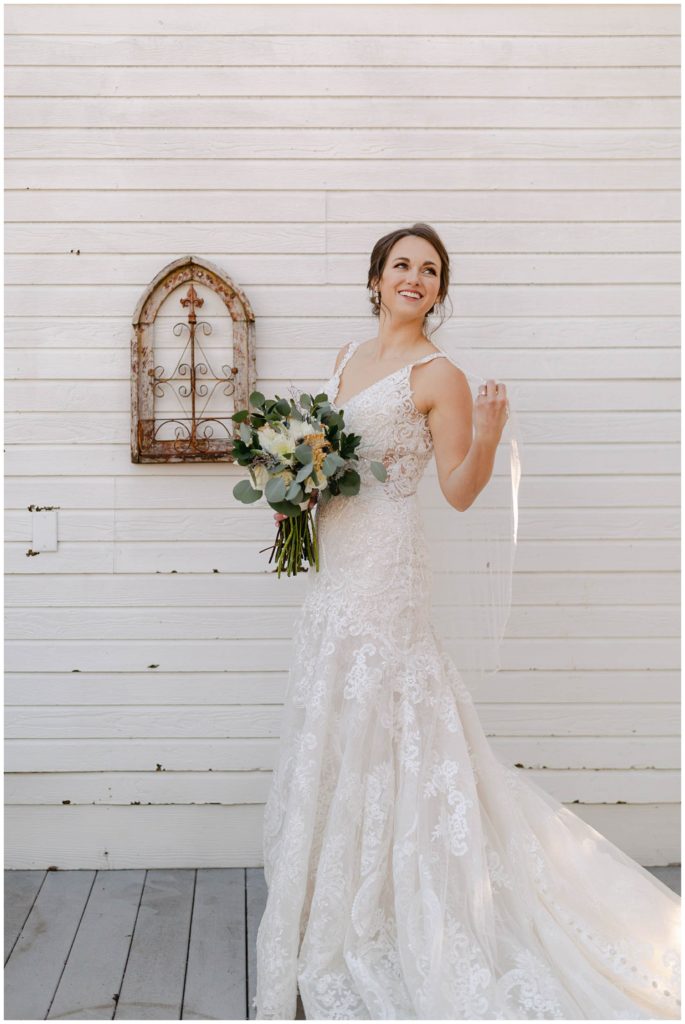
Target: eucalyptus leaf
[(244, 492), (275, 489), (330, 464), (287, 507), (295, 492), (304, 472), (379, 470), (349, 482), (245, 433), (303, 453), (257, 399)]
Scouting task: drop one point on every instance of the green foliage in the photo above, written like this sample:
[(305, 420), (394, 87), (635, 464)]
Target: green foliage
[(287, 507), (349, 482), (296, 541), (275, 489), (244, 492)]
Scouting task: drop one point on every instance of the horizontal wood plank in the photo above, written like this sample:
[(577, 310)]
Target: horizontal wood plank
[(262, 47), (588, 786), (243, 687), (99, 837), (246, 81), (258, 753), (117, 721), (243, 19)]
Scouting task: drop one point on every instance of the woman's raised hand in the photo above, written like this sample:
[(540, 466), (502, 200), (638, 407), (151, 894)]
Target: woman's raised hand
[(490, 410)]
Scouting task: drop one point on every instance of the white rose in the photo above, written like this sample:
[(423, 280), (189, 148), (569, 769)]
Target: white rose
[(261, 475), (275, 442), (299, 429)]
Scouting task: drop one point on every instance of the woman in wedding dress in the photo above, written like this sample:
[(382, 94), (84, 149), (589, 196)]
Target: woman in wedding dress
[(410, 873)]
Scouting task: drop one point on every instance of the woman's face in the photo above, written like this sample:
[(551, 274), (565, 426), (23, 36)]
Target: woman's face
[(412, 265)]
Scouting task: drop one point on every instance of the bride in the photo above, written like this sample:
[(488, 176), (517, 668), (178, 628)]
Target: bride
[(411, 874)]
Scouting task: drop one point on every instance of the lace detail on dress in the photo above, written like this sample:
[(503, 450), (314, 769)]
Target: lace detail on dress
[(453, 824), (411, 874), (401, 440)]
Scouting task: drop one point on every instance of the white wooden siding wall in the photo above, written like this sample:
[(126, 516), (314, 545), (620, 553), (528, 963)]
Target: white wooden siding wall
[(280, 142)]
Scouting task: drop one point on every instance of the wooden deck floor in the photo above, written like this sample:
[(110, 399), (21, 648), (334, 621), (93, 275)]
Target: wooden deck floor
[(163, 944)]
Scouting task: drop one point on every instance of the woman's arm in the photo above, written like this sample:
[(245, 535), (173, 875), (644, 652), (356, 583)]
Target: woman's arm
[(464, 459)]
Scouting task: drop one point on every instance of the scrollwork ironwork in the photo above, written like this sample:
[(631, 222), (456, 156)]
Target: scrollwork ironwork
[(199, 432)]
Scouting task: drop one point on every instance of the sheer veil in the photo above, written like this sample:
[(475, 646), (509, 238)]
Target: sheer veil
[(472, 553)]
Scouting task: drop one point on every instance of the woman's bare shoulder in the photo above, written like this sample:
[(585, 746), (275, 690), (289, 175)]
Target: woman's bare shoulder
[(438, 383)]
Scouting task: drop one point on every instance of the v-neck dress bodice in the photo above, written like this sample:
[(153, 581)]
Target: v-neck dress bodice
[(393, 430)]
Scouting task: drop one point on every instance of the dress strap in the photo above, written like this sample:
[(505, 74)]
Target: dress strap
[(343, 362), (427, 359)]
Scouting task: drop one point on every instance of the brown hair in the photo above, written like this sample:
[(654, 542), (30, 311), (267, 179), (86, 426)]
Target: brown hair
[(381, 250)]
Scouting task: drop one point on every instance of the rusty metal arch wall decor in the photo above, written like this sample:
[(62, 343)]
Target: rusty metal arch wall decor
[(195, 430)]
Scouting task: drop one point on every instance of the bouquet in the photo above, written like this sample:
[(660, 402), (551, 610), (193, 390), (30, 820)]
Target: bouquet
[(295, 449)]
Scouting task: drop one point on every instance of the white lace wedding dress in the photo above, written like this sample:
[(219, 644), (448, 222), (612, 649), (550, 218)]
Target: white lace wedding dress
[(411, 874)]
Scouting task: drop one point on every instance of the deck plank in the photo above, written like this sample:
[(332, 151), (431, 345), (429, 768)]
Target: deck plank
[(35, 966), (21, 889), (669, 875), (89, 986), (152, 988), (216, 977)]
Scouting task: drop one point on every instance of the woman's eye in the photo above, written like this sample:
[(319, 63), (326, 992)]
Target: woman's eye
[(403, 264)]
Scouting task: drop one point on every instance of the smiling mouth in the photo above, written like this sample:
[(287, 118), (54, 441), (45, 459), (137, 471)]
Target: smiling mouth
[(410, 298)]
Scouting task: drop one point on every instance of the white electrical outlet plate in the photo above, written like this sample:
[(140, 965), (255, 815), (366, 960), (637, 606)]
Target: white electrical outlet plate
[(44, 530)]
